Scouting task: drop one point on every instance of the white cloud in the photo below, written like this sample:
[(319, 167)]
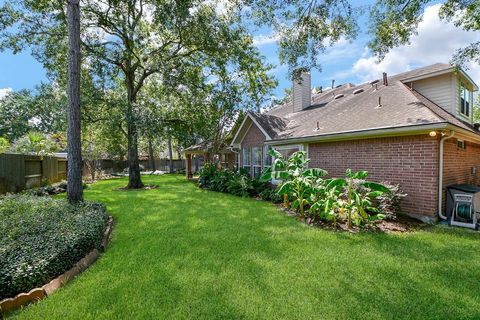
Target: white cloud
[(4, 92), (436, 41), (265, 39)]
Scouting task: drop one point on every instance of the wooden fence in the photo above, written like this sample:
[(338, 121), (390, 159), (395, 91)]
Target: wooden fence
[(19, 172)]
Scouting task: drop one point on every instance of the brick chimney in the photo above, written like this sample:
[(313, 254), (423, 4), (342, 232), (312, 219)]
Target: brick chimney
[(302, 91)]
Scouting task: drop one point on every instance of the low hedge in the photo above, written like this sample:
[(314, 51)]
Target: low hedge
[(42, 237)]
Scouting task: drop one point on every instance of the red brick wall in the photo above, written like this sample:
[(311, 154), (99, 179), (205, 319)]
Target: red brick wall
[(253, 138), (409, 161), (458, 163)]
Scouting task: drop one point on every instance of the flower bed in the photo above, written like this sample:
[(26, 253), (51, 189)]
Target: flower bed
[(351, 200), (42, 237)]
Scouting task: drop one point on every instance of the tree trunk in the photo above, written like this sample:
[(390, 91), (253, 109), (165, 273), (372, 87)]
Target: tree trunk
[(134, 178), (74, 151), (170, 154), (151, 155)]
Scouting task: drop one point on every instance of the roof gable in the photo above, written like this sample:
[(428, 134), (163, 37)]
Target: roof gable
[(263, 122)]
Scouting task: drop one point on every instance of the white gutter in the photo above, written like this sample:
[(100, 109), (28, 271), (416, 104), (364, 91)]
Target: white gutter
[(362, 134), (440, 175)]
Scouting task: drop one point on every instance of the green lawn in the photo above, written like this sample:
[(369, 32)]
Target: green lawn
[(179, 252)]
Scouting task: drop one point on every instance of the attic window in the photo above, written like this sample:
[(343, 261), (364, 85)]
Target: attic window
[(358, 91), (338, 96), (466, 98)]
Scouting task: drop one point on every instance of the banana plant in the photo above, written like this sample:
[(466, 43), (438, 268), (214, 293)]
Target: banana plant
[(297, 181), (355, 195)]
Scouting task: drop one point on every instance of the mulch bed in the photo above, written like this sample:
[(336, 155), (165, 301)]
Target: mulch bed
[(145, 187), (400, 225)]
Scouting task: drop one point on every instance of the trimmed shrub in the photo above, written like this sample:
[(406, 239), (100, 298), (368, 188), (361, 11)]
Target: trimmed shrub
[(238, 183), (271, 195), (389, 202), (42, 237)]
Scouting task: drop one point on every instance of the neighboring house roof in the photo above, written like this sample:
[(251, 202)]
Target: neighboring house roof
[(375, 107)]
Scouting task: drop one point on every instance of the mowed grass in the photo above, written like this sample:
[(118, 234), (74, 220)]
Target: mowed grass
[(179, 252)]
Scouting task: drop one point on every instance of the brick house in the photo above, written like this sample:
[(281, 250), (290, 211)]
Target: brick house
[(414, 129)]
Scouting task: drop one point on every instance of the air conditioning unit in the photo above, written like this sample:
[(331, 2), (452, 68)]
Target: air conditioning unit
[(463, 205)]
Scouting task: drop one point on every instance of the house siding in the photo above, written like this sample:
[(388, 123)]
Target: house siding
[(411, 162), (441, 90)]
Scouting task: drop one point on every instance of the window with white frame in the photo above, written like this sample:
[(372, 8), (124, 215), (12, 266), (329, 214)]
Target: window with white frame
[(257, 161), (267, 158), (466, 97), (246, 158), (237, 161), (287, 151)]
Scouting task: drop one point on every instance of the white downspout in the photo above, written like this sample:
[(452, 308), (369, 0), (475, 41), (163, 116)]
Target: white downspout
[(440, 175), (236, 152)]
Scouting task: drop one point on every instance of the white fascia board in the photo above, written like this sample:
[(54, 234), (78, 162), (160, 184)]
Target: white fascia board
[(238, 132), (364, 134), (249, 116), (439, 73), (429, 75)]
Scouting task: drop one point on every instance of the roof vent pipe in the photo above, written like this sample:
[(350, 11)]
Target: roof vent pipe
[(302, 91), (385, 79), (333, 84), (321, 89), (379, 102)]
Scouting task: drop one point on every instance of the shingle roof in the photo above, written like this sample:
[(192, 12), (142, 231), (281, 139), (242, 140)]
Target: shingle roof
[(399, 107), (437, 67), (270, 123)]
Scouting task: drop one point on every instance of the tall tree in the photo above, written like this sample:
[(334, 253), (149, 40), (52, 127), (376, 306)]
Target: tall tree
[(476, 110), (304, 29), (41, 110), (128, 39), (74, 153), (393, 22)]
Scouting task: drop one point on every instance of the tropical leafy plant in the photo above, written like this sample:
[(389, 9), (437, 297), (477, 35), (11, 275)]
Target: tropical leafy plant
[(389, 202), (352, 197), (298, 180), (39, 143), (238, 182)]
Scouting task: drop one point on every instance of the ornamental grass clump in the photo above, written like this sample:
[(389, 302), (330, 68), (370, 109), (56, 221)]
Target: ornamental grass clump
[(42, 237)]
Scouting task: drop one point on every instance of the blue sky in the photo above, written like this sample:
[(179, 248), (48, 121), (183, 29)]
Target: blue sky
[(345, 62)]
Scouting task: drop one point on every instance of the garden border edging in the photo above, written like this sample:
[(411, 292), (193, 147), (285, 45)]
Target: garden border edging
[(22, 299)]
